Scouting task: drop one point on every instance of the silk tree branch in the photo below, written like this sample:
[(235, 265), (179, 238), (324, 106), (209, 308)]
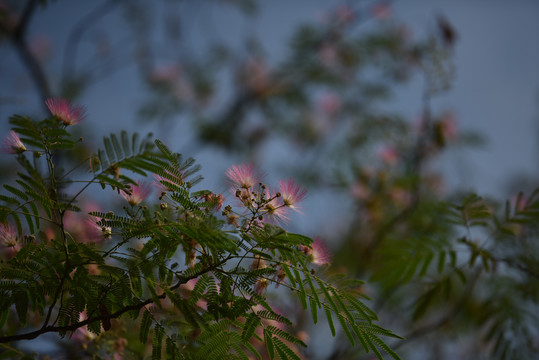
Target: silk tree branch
[(32, 64), (72, 327)]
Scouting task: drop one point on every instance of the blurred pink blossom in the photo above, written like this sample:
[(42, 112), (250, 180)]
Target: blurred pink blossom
[(261, 285), (291, 193), (389, 155), (215, 199), (328, 55), (119, 347), (401, 197), (303, 336), (242, 176), (186, 289), (381, 10), (520, 202), (95, 232), (330, 104), (256, 75), (12, 144), (41, 47), (82, 227), (65, 112), (345, 14), (275, 209), (318, 253), (82, 334), (137, 194), (166, 73), (10, 240), (449, 125), (360, 191)]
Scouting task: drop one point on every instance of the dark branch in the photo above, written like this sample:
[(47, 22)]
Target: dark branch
[(22, 25), (34, 334), (70, 51), (29, 60), (73, 327)]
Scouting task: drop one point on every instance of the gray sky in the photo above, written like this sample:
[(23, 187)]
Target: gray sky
[(494, 93), (496, 88)]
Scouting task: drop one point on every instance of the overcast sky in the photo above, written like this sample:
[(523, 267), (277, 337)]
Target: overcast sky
[(495, 89)]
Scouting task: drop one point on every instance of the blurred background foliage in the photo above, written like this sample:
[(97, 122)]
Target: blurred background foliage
[(454, 273)]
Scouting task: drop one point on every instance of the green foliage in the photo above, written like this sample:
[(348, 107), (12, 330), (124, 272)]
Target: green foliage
[(128, 265), (192, 282)]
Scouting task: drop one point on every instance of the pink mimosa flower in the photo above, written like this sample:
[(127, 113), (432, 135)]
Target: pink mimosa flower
[(41, 47), (242, 176), (320, 253), (275, 209), (381, 11), (345, 14), (8, 235), (9, 238), (360, 191), (12, 144), (303, 336), (330, 104), (215, 199), (328, 55), (261, 285), (257, 75), (96, 232), (138, 193), (519, 202), (166, 73), (291, 193), (389, 155), (245, 196), (449, 125), (119, 347), (82, 334), (84, 227), (401, 197), (65, 112)]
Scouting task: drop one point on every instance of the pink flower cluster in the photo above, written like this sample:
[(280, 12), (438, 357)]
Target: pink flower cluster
[(263, 203), (257, 198)]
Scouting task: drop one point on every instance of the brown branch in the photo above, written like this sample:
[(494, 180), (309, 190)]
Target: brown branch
[(73, 327), (30, 61), (70, 50), (46, 329), (56, 296), (22, 25)]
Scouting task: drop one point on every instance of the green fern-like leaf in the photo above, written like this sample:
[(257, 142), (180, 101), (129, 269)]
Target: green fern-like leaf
[(157, 342), (284, 351), (270, 346), (145, 326), (252, 322)]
